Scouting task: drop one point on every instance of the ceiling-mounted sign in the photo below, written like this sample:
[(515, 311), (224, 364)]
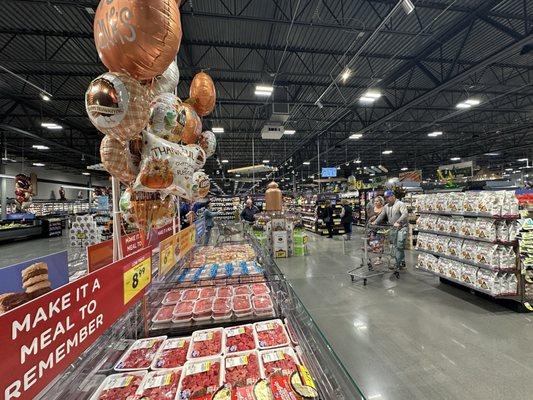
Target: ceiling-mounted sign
[(462, 169), (410, 176)]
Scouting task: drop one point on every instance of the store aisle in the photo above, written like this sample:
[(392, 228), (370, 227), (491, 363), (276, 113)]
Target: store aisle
[(15, 252), (413, 338)]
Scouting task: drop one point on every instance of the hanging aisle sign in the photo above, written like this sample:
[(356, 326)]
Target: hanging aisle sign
[(40, 339)]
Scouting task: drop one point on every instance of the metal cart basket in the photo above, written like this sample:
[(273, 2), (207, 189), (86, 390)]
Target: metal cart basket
[(227, 231), (378, 255)]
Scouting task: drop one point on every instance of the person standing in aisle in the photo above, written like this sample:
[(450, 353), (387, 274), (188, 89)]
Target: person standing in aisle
[(396, 213), (328, 218), (376, 209), (347, 218), (209, 221), (248, 212)]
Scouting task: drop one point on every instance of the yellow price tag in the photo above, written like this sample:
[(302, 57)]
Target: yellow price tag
[(136, 279), (306, 377)]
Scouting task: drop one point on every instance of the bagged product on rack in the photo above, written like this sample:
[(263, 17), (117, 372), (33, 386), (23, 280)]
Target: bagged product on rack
[(239, 338), (454, 247), (443, 224), (431, 262), (421, 261), (486, 228), (502, 231), (470, 200), (468, 227), (270, 334), (456, 225), (487, 254), (173, 353), (506, 258), (441, 202), (514, 228), (442, 266), (455, 270), (431, 242), (431, 222), (206, 343), (510, 204), (242, 369), (487, 203), (485, 279), (454, 202), (200, 379), (119, 386), (441, 244), (140, 354), (160, 385), (469, 274), (282, 361)]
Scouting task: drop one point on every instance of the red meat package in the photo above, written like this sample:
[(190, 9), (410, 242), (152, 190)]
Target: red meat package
[(207, 292), (225, 291), (240, 338), (260, 288), (242, 369), (119, 386), (270, 334), (242, 305), (190, 294), (206, 343), (160, 385), (140, 354), (262, 304), (221, 308), (200, 379), (279, 362), (172, 297), (163, 314), (183, 310), (241, 289), (173, 353), (203, 309)]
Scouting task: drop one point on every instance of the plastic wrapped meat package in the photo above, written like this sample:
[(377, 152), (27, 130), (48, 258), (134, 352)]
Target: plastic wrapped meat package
[(239, 338), (224, 291), (262, 304), (241, 290), (270, 334), (206, 343), (242, 305), (160, 385), (183, 311), (282, 361), (454, 247), (203, 309), (172, 297), (119, 386), (242, 369), (486, 229), (260, 288), (200, 379), (207, 292), (163, 314), (172, 354), (140, 354), (189, 294), (221, 308)]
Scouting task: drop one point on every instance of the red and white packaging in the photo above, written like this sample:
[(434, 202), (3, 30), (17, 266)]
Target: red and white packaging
[(282, 361), (207, 292), (270, 334), (225, 291), (172, 297), (242, 369), (242, 306), (241, 290), (140, 354), (203, 309), (190, 294), (172, 353), (206, 343), (160, 385), (200, 379), (222, 308), (119, 386), (259, 288), (163, 314), (262, 304), (239, 338)]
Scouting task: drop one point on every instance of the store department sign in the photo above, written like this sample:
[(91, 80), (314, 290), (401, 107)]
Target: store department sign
[(40, 339)]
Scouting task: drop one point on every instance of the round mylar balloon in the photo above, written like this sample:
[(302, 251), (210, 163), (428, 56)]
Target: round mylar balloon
[(198, 155), (167, 81), (203, 94), (140, 37), (201, 184), (192, 126), (208, 142), (117, 159), (163, 115), (117, 105)]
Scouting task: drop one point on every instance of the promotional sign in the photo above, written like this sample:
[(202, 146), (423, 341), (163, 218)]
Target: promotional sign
[(48, 334), (329, 172), (167, 254), (186, 241), (83, 231), (410, 176), (50, 272), (200, 229), (462, 169), (280, 245)]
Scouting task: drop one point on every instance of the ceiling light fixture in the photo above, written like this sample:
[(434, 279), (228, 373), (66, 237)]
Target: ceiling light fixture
[(289, 132), (492, 154), (455, 159), (435, 134), (358, 161), (217, 129), (372, 93), (346, 74), (404, 169), (38, 164), (463, 105), (356, 136), (266, 161), (40, 147), (261, 90), (225, 161), (472, 102), (306, 163), (522, 160), (386, 152), (408, 6), (86, 173), (46, 96)]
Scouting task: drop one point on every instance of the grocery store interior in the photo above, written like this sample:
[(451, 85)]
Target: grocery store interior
[(266, 199)]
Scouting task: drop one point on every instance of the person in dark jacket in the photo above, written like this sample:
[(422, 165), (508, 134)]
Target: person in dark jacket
[(209, 222), (249, 211), (347, 218), (328, 218)]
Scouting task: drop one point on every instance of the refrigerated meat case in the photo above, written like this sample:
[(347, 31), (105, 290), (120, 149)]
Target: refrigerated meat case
[(82, 379)]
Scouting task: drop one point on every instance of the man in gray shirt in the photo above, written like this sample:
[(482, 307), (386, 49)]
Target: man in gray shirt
[(398, 216)]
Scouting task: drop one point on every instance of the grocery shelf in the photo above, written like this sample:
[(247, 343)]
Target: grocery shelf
[(472, 263), (472, 238), (472, 214)]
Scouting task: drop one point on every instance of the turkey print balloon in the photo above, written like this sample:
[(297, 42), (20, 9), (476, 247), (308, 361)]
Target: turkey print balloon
[(208, 142), (140, 37), (203, 94), (189, 124), (163, 115), (117, 105), (168, 81)]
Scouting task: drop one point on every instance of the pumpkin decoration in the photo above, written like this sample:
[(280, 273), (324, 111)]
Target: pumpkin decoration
[(156, 174), (117, 105), (202, 94), (191, 129), (139, 37), (208, 142), (117, 160)]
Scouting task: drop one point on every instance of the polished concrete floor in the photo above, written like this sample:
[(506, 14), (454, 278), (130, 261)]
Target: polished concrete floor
[(22, 250), (413, 338)]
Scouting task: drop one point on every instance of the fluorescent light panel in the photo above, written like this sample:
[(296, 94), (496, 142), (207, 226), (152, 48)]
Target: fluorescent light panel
[(38, 164), (225, 161), (217, 129), (386, 152), (306, 163), (40, 147), (356, 136), (472, 102), (266, 161), (289, 132), (435, 134), (455, 158), (463, 106), (405, 169), (373, 94)]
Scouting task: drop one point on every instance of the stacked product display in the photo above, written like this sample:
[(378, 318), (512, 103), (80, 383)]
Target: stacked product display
[(525, 242), (225, 207), (471, 238), (313, 214)]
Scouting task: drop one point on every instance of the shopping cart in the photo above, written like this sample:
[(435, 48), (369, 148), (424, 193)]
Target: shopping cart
[(378, 255), (227, 231)]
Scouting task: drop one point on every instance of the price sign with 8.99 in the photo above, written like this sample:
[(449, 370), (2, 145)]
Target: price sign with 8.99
[(136, 279)]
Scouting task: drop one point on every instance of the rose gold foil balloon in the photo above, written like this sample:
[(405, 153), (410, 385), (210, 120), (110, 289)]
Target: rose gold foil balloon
[(117, 159), (208, 142), (203, 94), (140, 37), (193, 124), (117, 105)]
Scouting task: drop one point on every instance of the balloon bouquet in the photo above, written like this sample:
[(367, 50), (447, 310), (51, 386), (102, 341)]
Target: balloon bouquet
[(23, 192), (153, 141)]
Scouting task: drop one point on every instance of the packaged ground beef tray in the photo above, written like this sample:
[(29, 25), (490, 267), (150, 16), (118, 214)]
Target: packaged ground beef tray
[(270, 334), (239, 338), (242, 305), (242, 369), (163, 314), (282, 361), (172, 297), (259, 288), (159, 385), (200, 379), (172, 354), (119, 386), (206, 343), (140, 354)]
